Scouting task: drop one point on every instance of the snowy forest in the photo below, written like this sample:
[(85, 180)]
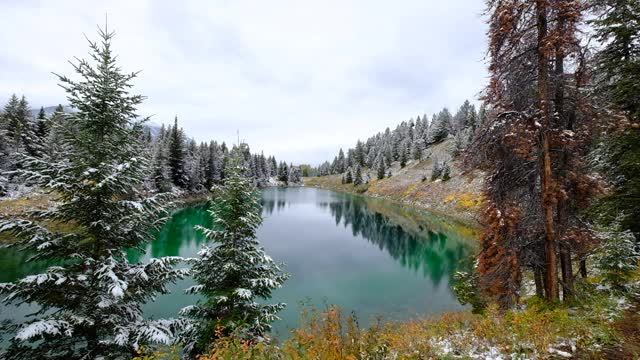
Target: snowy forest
[(408, 141), (545, 163), (178, 163)]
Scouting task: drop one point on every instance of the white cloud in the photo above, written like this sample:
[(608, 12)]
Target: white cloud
[(298, 79)]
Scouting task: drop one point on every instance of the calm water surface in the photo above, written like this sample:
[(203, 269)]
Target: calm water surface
[(364, 255)]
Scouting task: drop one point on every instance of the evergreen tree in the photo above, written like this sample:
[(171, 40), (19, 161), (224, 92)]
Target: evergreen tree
[(233, 272), (403, 158), (446, 172), (12, 123), (417, 149), (28, 137), (294, 176), (53, 146), (357, 178), (348, 176), (89, 306), (274, 167), (42, 127), (380, 168), (441, 126), (340, 164), (160, 171), (176, 156), (283, 172), (618, 74), (617, 27)]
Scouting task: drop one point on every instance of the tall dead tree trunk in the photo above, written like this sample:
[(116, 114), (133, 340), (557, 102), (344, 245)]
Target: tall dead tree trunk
[(562, 123), (546, 180)]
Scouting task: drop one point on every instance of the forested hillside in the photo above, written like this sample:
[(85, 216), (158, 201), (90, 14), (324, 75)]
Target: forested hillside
[(177, 162), (410, 140)]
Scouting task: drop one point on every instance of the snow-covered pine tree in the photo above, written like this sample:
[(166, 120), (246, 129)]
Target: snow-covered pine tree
[(89, 306), (274, 167), (380, 168), (441, 126), (283, 172), (176, 155), (42, 126), (28, 137), (437, 170), (192, 170), (417, 148), (233, 271), (357, 178), (12, 124), (53, 146), (348, 176), (446, 171), (403, 158), (159, 169), (295, 176), (340, 164)]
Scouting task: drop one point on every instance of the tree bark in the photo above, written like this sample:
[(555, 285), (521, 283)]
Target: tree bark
[(583, 268), (538, 278), (562, 123), (551, 271)]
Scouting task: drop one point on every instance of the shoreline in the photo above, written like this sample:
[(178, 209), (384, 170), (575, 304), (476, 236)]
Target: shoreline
[(460, 218)]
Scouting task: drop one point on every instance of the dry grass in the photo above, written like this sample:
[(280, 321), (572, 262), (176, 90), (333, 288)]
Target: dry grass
[(538, 331), (20, 208)]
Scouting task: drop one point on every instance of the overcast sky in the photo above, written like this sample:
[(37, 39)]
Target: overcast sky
[(298, 79)]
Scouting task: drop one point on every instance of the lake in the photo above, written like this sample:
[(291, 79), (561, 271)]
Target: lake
[(370, 256)]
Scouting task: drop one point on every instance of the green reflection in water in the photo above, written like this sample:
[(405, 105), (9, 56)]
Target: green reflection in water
[(364, 255)]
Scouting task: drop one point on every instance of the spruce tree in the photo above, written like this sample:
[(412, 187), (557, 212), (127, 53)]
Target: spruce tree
[(403, 158), (446, 172), (357, 178), (340, 164), (176, 156), (442, 126), (159, 169), (89, 305), (12, 123), (295, 176), (42, 127), (28, 137), (53, 146), (232, 271), (618, 73), (283, 172), (381, 168), (348, 176)]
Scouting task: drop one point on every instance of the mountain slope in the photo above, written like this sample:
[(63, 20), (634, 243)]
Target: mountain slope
[(459, 198)]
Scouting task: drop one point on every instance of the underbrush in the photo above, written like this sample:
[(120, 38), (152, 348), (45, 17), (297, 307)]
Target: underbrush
[(535, 330)]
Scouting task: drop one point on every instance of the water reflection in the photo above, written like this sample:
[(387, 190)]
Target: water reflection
[(364, 255), (416, 247)]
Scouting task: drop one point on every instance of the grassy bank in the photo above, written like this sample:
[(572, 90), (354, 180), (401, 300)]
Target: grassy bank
[(21, 208), (437, 197), (602, 327)]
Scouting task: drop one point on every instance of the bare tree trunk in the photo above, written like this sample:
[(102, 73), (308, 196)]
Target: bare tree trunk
[(567, 272), (538, 278), (583, 268), (551, 272), (562, 123)]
